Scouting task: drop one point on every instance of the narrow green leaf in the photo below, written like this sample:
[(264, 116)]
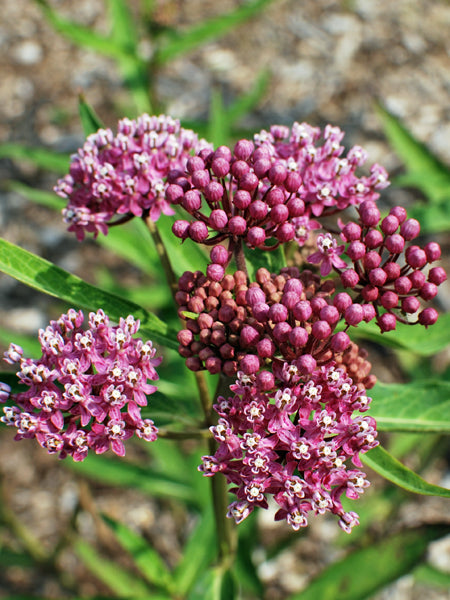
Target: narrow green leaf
[(218, 129), (431, 576), (126, 474), (393, 470), (38, 196), (416, 338), (247, 102), (120, 582), (421, 406), (123, 29), (30, 344), (146, 558), (90, 121), (50, 279), (199, 553), (79, 34), (413, 153), (181, 42), (273, 260), (40, 157), (131, 242), (366, 571)]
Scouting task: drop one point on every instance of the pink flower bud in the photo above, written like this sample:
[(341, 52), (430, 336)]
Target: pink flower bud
[(255, 236), (392, 270), (399, 212), (278, 313), (243, 149), (428, 316), (387, 322), (279, 213), (292, 182), (428, 291), (373, 239), (285, 233), (174, 193), (277, 174), (433, 251), (354, 314), (198, 231), (181, 229), (395, 243), (261, 311), (298, 337), (296, 207), (220, 167), (248, 182), (389, 300), (340, 341), (416, 257), (194, 163), (281, 332), (242, 199), (215, 272), (239, 169), (356, 251), (342, 301), (249, 336), (192, 201), (330, 314), (369, 312), (410, 229), (306, 364), (218, 219), (290, 299), (265, 381), (258, 210), (185, 337), (265, 348), (417, 279), (200, 179), (213, 365), (293, 285), (302, 311), (214, 191), (437, 275), (237, 225), (250, 364), (321, 330), (274, 196), (390, 224), (351, 232), (370, 293), (402, 285), (377, 277), (261, 167), (349, 278), (371, 260), (369, 213)]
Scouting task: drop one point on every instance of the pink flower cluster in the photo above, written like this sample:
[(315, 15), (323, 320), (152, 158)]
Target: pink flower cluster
[(293, 442), (124, 174), (243, 327), (86, 391), (387, 271), (267, 191)]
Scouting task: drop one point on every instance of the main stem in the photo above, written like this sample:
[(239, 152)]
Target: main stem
[(225, 534)]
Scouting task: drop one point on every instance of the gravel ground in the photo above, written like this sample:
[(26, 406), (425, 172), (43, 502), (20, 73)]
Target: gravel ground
[(329, 62)]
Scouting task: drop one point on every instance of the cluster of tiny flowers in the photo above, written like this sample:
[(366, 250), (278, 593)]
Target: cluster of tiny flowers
[(86, 391), (387, 272), (269, 191), (242, 327), (293, 442), (124, 174)]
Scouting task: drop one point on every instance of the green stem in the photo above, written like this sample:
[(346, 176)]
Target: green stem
[(162, 253)]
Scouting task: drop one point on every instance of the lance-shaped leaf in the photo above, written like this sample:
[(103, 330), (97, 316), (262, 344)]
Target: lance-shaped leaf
[(415, 338), (50, 279), (392, 469), (422, 406), (366, 571), (40, 157), (146, 558), (90, 121)]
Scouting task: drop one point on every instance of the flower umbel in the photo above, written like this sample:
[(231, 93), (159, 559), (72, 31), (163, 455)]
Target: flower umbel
[(87, 389)]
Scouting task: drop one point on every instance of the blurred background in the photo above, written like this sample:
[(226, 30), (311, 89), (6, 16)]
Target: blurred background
[(319, 61)]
